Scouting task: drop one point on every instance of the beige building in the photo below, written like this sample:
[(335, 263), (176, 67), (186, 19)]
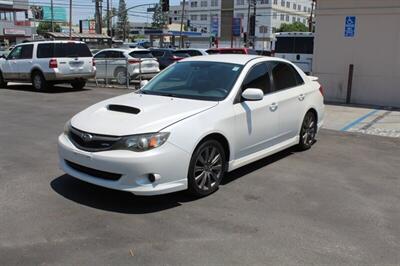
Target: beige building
[(374, 50)]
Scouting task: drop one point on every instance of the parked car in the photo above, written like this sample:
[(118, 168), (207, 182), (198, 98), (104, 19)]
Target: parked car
[(117, 63), (167, 56), (192, 51), (231, 51), (188, 126), (47, 63)]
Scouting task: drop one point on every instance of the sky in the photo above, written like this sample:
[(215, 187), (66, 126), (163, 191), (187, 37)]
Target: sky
[(84, 9)]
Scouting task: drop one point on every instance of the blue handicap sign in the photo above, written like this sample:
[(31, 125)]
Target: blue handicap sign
[(350, 26)]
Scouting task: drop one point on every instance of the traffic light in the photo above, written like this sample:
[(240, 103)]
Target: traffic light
[(245, 37), (165, 5), (252, 25)]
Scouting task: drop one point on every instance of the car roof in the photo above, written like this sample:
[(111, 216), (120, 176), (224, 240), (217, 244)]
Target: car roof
[(64, 41), (229, 49), (239, 59), (129, 50)]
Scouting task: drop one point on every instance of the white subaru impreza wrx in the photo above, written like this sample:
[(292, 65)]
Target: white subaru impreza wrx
[(192, 123)]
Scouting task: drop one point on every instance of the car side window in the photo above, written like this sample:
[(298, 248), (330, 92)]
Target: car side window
[(15, 53), (45, 50), (258, 77), (285, 76), (27, 51), (100, 55)]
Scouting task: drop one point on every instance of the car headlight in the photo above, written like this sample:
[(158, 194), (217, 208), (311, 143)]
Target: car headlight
[(67, 127), (143, 142)]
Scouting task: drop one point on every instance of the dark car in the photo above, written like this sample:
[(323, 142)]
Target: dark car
[(166, 56), (231, 51)]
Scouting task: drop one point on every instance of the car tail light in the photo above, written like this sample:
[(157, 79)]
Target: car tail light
[(176, 58), (93, 62), (53, 63), (134, 61), (321, 90)]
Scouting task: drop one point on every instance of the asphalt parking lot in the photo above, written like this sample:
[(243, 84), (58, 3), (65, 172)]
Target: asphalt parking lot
[(338, 203)]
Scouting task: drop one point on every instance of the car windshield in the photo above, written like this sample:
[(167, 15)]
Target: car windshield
[(210, 81)]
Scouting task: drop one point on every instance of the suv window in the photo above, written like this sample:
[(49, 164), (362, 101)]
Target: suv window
[(62, 50), (15, 53), (285, 76), (27, 51), (259, 78), (141, 54)]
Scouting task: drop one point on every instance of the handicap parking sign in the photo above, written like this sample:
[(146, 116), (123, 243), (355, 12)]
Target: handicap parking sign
[(350, 26)]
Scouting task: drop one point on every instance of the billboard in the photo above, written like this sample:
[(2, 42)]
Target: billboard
[(44, 13), (214, 26), (87, 26), (236, 27)]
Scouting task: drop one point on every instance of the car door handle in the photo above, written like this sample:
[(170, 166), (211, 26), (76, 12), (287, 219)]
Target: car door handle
[(273, 107), (301, 97)]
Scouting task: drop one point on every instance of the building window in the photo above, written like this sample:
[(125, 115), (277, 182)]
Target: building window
[(275, 2), (288, 4), (294, 6), (193, 17), (240, 2), (214, 2), (298, 19), (240, 15), (203, 3), (305, 9), (282, 17), (299, 7), (309, 10), (203, 17), (304, 20), (274, 30), (293, 19), (263, 29), (193, 4), (283, 3), (175, 18), (264, 2), (274, 15), (287, 18)]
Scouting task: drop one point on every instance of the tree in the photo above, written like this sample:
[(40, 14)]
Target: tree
[(294, 27), (122, 30), (159, 18), (45, 26)]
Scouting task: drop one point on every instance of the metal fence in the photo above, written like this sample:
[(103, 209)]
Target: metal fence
[(122, 72)]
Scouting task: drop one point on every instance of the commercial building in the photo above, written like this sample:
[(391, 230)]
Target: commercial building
[(215, 17), (14, 25), (365, 34)]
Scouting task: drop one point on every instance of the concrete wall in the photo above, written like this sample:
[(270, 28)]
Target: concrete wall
[(374, 51)]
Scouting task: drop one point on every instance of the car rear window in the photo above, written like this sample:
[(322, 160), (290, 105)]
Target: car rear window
[(141, 54), (60, 50), (181, 53)]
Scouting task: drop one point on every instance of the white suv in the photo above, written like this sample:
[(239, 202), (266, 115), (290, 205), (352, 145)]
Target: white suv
[(47, 63)]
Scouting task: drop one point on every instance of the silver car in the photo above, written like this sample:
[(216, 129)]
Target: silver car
[(118, 64)]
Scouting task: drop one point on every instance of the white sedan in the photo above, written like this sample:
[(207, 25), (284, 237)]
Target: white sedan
[(192, 123)]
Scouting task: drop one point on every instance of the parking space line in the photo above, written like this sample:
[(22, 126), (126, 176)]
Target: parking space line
[(376, 120), (358, 120)]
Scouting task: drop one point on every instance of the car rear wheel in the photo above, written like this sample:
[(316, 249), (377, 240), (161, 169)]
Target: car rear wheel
[(120, 76), (3, 83), (206, 169), (308, 131), (38, 81), (78, 84)]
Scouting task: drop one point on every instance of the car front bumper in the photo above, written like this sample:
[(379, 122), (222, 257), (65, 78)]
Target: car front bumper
[(168, 161)]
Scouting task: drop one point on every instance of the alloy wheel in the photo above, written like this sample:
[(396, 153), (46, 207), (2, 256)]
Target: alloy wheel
[(308, 130), (37, 82), (208, 168)]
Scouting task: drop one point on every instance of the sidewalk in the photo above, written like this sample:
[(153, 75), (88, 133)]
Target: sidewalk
[(381, 122)]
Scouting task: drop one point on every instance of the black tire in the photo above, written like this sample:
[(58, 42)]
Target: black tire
[(206, 169), (78, 84), (308, 131), (39, 83), (3, 83), (121, 76)]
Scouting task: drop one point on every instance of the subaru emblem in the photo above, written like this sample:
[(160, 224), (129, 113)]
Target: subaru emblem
[(87, 137)]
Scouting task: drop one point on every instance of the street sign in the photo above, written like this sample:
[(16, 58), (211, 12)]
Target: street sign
[(236, 27), (350, 27), (214, 26)]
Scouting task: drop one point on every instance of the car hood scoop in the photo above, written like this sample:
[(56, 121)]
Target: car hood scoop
[(137, 113), (123, 109)]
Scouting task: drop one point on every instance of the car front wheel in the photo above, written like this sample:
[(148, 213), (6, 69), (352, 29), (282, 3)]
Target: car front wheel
[(3, 83), (308, 131), (207, 168)]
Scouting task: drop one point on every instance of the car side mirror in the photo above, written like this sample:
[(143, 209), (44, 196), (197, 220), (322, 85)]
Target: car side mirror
[(253, 94), (143, 83)]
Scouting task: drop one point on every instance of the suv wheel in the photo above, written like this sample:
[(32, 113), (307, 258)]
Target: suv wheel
[(120, 76), (38, 81), (78, 84), (206, 169), (3, 83), (308, 131)]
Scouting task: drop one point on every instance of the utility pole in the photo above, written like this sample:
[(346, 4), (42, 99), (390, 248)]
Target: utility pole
[(248, 24), (98, 7), (182, 15), (254, 37), (108, 22), (311, 19), (70, 19), (52, 15)]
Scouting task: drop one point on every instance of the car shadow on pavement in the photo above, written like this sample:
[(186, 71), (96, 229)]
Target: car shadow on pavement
[(55, 89)]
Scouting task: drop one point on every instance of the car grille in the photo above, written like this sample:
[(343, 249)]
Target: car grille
[(94, 172), (91, 142)]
